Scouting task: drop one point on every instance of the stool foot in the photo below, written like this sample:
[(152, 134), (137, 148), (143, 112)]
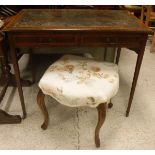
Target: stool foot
[(41, 103), (44, 126), (101, 118), (127, 114), (110, 105)]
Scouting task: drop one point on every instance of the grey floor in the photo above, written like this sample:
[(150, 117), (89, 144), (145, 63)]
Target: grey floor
[(73, 128)]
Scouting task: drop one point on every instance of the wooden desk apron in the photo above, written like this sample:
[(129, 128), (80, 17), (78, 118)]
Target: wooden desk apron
[(73, 38), (35, 28)]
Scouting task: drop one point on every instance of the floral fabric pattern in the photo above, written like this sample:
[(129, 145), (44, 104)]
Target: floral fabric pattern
[(79, 81)]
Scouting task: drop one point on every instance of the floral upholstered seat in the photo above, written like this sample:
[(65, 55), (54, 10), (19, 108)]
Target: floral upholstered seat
[(79, 81)]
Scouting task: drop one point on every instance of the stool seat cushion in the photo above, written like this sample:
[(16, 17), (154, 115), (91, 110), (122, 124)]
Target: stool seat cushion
[(79, 81)]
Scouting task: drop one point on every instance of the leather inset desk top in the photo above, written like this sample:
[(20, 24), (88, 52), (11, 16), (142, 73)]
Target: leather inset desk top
[(82, 19)]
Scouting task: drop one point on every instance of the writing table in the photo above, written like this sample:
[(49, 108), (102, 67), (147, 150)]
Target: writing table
[(33, 28)]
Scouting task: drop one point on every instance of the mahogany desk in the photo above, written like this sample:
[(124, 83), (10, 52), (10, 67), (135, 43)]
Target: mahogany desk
[(33, 28)]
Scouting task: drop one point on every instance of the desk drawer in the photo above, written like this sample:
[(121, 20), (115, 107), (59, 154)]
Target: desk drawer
[(51, 40), (110, 40)]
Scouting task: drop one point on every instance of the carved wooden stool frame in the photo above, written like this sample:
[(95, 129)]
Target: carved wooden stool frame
[(101, 108)]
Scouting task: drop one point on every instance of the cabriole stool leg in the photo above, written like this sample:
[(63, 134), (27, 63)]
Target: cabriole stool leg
[(41, 103), (101, 118)]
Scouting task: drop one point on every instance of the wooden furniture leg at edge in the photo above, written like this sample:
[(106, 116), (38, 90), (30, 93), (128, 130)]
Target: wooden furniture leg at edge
[(6, 118), (41, 103), (136, 73), (17, 76), (118, 55), (153, 44), (101, 118)]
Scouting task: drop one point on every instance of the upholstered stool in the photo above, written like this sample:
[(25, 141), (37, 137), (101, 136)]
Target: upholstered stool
[(78, 81)]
